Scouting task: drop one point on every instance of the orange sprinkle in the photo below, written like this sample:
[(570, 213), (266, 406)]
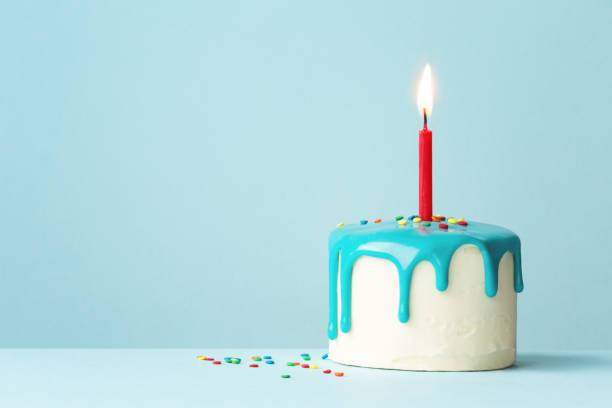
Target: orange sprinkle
[(435, 219), (339, 374), (377, 221)]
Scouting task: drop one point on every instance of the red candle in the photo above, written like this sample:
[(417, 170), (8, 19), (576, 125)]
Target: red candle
[(425, 193), (425, 103)]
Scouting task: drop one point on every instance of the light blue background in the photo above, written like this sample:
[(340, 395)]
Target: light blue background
[(169, 171)]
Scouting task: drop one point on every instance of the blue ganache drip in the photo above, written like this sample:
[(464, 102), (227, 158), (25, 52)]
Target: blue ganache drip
[(406, 246)]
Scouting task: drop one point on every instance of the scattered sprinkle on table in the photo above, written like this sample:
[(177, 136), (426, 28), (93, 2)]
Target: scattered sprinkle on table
[(216, 362), (339, 374), (443, 226), (290, 364), (399, 217), (412, 217), (460, 219), (426, 223), (269, 362), (253, 365), (363, 222), (285, 376), (402, 222), (326, 371), (201, 357), (305, 366), (209, 359), (307, 358), (324, 356), (256, 358), (340, 224), (441, 217), (267, 357), (452, 221), (435, 219), (314, 366), (305, 355), (377, 221), (462, 223), (416, 219)]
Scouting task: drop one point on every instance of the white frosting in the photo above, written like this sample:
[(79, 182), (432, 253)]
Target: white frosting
[(460, 329)]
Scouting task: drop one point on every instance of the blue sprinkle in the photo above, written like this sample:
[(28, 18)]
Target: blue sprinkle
[(269, 362), (267, 357), (305, 355), (324, 356), (363, 222), (412, 217)]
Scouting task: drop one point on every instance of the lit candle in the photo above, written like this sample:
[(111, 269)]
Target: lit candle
[(425, 104)]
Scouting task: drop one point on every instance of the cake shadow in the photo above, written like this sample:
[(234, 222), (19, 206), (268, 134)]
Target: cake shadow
[(591, 361)]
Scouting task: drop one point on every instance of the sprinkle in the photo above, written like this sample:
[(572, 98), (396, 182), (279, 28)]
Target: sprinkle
[(416, 219), (452, 221), (435, 219), (326, 371), (290, 364), (209, 359), (363, 222), (297, 363), (441, 217), (426, 223), (462, 223), (304, 355), (307, 358), (340, 224), (377, 221), (216, 362), (267, 357), (399, 217), (402, 222), (314, 366), (324, 356), (443, 226), (235, 361), (201, 358), (305, 366), (256, 358), (460, 219), (269, 362), (339, 374), (412, 217), (253, 365), (285, 376)]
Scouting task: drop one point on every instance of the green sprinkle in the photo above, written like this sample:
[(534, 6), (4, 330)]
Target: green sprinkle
[(256, 358), (290, 364), (427, 224), (285, 376), (399, 217), (307, 358)]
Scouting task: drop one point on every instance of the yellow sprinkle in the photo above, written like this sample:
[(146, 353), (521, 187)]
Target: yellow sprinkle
[(340, 224), (452, 221), (460, 219), (416, 219), (201, 357), (314, 366), (402, 222)]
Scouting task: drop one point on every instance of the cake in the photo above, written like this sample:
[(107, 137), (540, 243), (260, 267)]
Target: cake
[(433, 296)]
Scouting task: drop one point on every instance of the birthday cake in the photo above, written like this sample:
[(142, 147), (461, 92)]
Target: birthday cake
[(434, 295)]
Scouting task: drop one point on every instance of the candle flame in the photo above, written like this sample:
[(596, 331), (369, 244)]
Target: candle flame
[(425, 93)]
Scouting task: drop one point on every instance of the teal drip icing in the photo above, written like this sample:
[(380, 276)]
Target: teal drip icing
[(406, 246)]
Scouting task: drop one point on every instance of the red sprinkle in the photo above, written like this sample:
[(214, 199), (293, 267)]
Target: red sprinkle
[(443, 226), (305, 366), (209, 359), (340, 374), (462, 223), (326, 371), (253, 365), (441, 217), (216, 362)]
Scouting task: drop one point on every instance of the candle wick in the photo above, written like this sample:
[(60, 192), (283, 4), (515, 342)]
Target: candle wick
[(424, 118)]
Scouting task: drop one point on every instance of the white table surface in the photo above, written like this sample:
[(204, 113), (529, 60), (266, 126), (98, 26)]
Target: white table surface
[(175, 378)]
